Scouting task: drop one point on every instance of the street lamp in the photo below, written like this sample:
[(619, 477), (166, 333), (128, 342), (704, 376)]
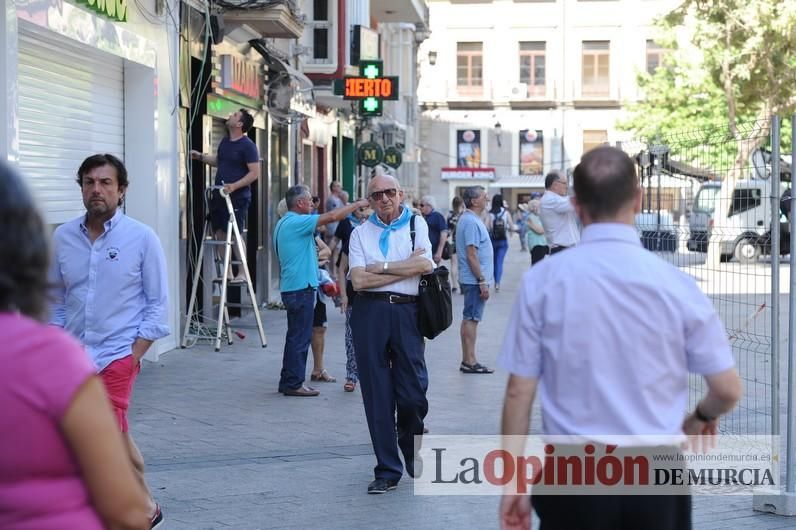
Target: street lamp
[(432, 57), (499, 134)]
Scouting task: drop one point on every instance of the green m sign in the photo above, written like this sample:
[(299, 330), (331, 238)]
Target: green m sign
[(112, 9)]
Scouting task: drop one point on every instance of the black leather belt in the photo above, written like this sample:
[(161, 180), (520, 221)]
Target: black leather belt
[(393, 298)]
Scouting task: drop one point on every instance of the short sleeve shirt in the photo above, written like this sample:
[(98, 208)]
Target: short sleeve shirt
[(364, 250), (343, 233), (294, 244), (470, 230), (41, 485), (232, 163), (436, 225), (611, 331)]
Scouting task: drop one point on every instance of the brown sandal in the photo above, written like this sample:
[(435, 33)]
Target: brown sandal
[(323, 376), (349, 386)]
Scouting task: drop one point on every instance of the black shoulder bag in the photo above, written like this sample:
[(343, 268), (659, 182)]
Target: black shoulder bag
[(435, 307)]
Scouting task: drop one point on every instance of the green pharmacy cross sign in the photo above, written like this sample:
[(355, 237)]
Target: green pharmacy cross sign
[(370, 89)]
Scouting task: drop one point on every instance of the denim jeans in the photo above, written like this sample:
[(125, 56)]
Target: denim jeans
[(300, 309), (499, 247)]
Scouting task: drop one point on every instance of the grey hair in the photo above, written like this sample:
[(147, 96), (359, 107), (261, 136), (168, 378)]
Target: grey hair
[(471, 193), (294, 194), (430, 200)]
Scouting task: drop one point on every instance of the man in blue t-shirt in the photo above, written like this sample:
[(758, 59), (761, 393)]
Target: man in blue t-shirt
[(237, 166), (437, 227), (294, 245), (474, 251)]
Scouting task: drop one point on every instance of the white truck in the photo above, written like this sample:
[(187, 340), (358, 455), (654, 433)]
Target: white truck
[(745, 231)]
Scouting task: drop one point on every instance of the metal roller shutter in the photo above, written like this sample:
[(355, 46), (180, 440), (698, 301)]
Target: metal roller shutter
[(71, 105)]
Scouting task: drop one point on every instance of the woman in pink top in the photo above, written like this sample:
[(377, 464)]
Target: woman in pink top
[(63, 463)]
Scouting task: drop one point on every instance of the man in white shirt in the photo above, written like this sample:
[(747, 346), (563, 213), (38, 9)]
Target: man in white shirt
[(386, 265), (558, 214), (601, 370)]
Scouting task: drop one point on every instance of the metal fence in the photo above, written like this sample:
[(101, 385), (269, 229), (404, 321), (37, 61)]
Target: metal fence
[(712, 208)]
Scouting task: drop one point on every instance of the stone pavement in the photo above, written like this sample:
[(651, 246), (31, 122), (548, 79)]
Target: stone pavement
[(224, 449)]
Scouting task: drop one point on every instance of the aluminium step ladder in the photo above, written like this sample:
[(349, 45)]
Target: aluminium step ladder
[(193, 326)]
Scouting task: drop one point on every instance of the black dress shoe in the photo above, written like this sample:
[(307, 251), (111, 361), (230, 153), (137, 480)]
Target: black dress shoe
[(302, 391), (381, 485)]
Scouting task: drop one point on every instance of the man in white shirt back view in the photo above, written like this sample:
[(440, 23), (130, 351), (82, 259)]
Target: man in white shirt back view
[(601, 370), (558, 214)]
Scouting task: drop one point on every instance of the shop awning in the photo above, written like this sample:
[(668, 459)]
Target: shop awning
[(519, 181), (303, 100)]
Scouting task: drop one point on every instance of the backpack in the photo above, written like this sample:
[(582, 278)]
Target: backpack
[(498, 230)]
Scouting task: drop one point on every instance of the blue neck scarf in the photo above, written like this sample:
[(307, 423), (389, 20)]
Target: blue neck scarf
[(397, 224), (354, 221)]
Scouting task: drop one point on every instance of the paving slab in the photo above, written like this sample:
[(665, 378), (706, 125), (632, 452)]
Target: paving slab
[(225, 450)]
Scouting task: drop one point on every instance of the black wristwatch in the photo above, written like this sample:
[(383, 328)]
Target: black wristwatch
[(701, 417), (481, 280)]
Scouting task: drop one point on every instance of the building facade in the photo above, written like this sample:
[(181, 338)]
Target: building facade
[(338, 34), (81, 78), (511, 89)]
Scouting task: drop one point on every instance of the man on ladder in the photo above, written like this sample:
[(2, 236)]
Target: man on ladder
[(237, 167)]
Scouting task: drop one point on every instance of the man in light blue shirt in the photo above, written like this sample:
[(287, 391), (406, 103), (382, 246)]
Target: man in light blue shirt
[(110, 289), (609, 333), (294, 244), (475, 255)]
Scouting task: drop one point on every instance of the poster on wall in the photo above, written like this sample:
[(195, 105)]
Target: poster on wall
[(468, 143), (531, 152)]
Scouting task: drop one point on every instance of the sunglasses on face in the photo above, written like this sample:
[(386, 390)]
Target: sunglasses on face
[(378, 195)]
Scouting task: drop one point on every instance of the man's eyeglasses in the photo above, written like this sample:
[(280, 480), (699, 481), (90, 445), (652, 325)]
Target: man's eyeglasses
[(422, 205), (378, 195)]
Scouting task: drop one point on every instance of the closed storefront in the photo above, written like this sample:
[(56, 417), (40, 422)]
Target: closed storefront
[(79, 80), (71, 104)]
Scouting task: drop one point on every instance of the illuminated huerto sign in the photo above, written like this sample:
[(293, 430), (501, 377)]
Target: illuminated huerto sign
[(362, 87), (370, 88)]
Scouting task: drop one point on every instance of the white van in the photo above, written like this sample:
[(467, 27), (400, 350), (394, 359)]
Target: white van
[(745, 233)]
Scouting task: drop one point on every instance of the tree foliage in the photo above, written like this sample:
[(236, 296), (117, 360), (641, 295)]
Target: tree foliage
[(736, 67)]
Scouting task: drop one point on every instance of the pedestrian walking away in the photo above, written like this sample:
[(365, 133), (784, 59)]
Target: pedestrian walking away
[(615, 374), (334, 201), (475, 256), (437, 227), (520, 220), (237, 164), (63, 463), (558, 214), (318, 340), (457, 207), (110, 290), (347, 293), (499, 226), (389, 347), (295, 246), (535, 238)]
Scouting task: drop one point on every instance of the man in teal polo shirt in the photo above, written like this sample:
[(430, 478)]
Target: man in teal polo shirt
[(294, 243)]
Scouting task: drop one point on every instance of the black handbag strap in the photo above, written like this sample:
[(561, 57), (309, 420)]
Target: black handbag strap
[(412, 231)]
